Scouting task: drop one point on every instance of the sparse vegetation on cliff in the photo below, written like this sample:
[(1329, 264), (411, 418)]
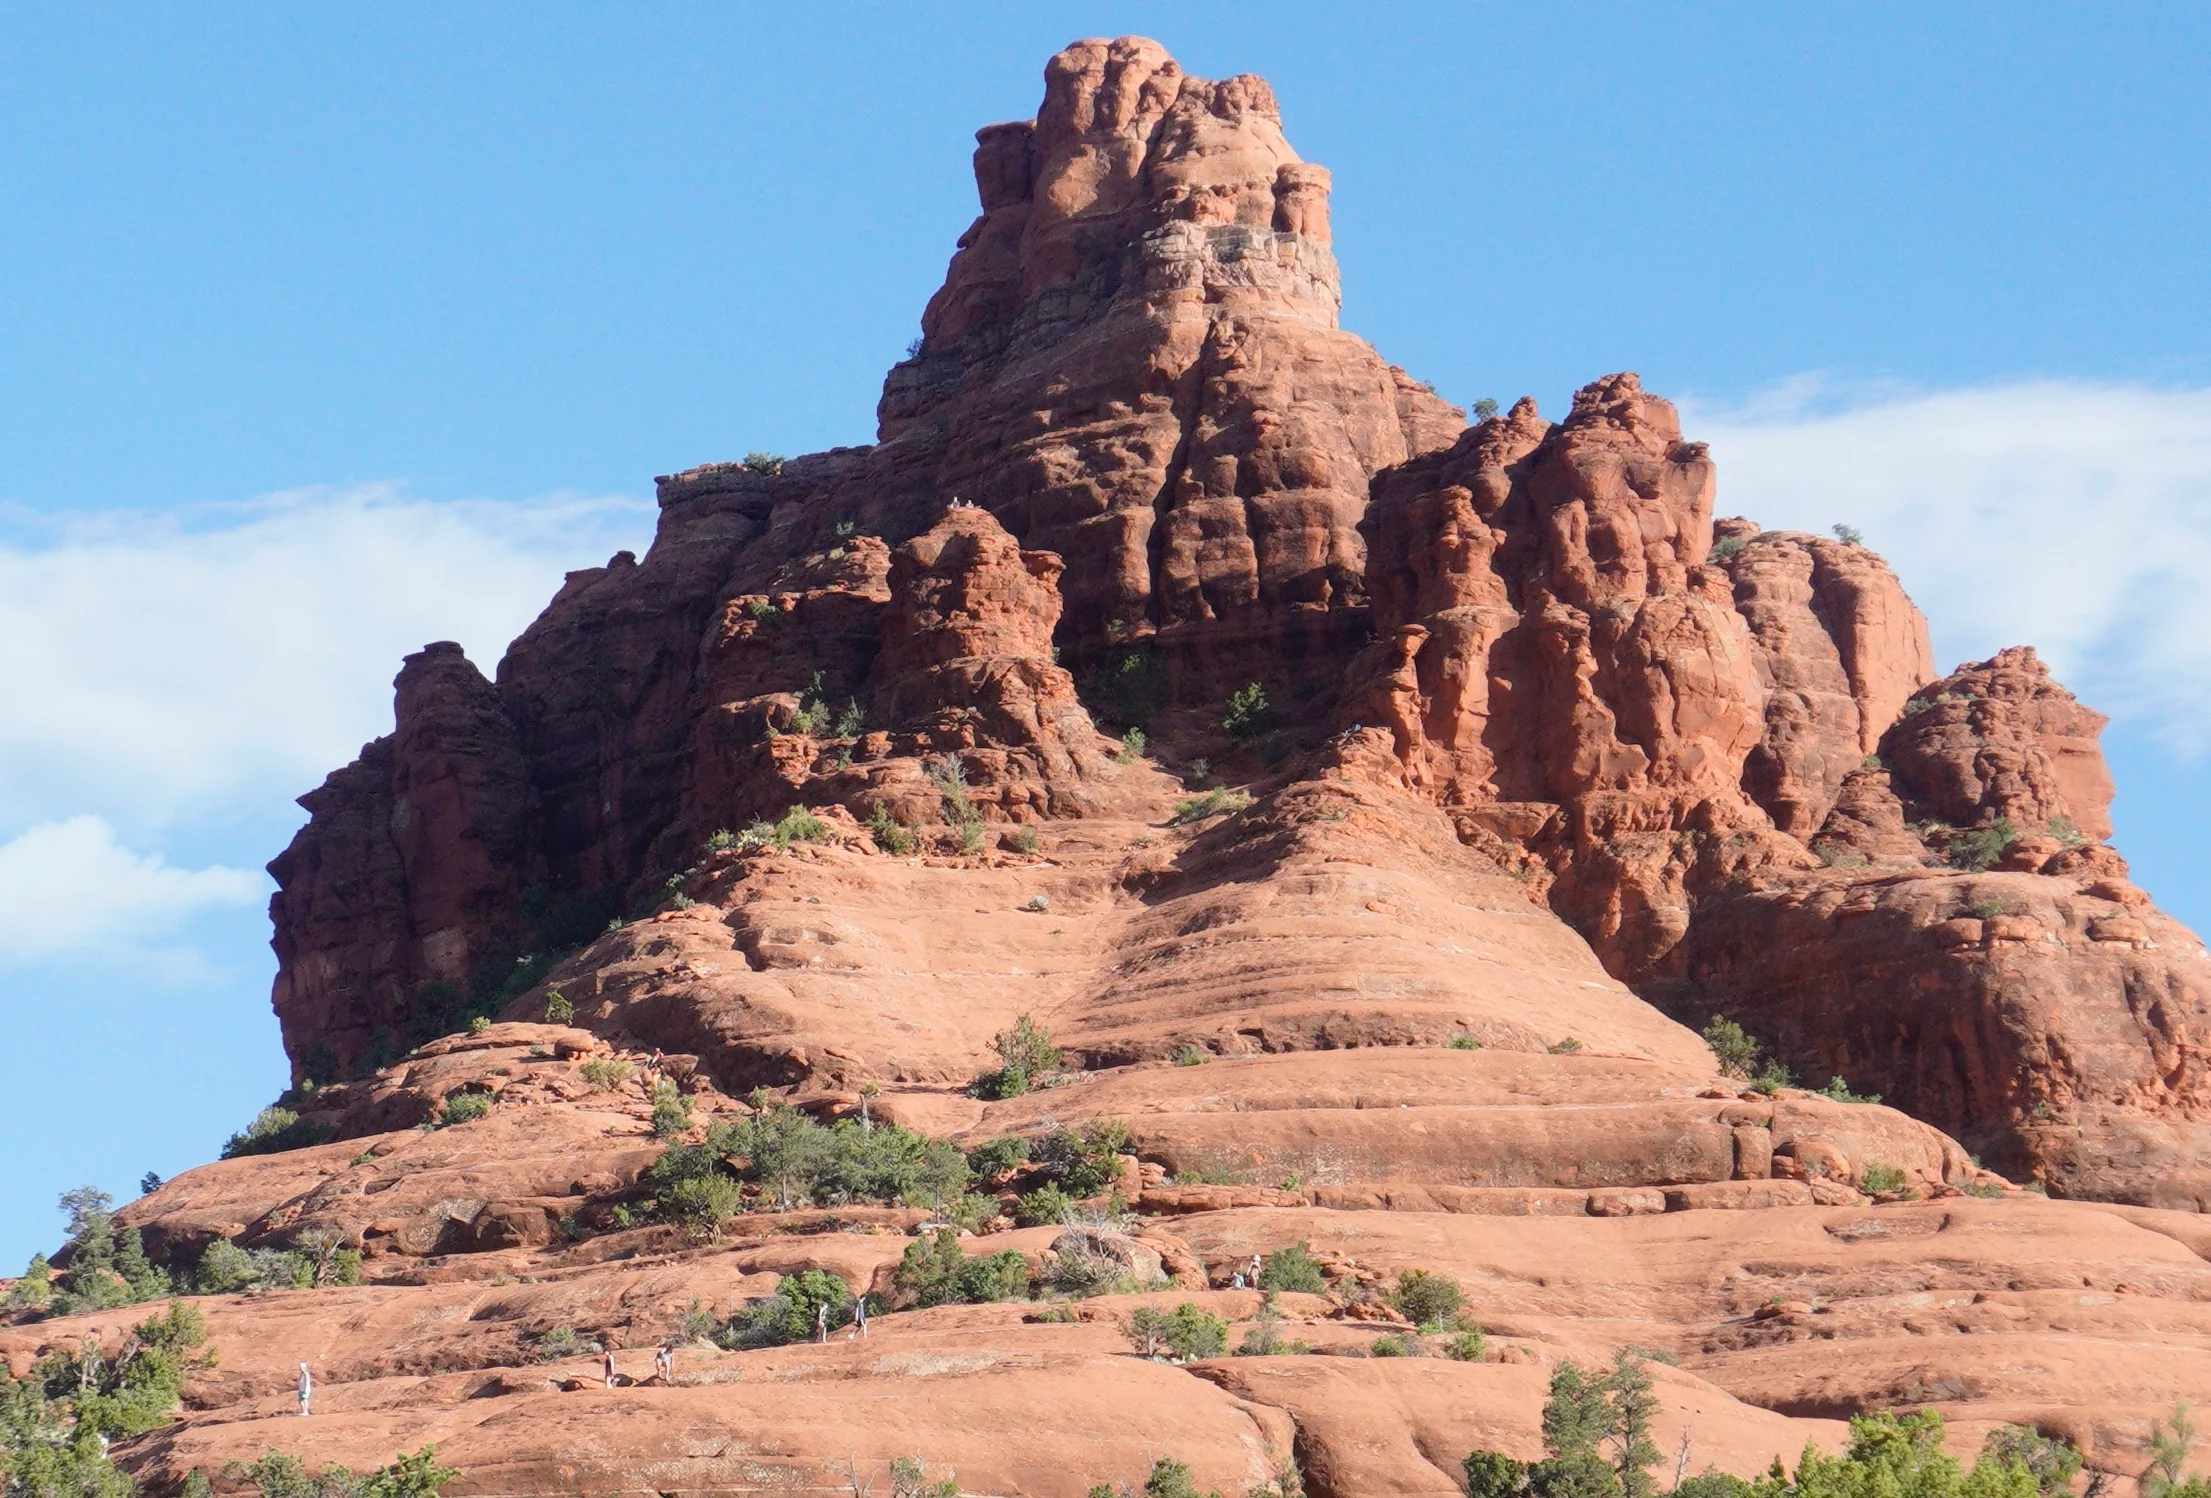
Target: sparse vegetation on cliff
[(788, 1160), (275, 1128), (934, 1272), (1214, 803), (1026, 1057)]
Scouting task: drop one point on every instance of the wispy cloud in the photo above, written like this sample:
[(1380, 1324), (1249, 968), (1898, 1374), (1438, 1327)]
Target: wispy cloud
[(2069, 515), (159, 667), (174, 679), (70, 887)]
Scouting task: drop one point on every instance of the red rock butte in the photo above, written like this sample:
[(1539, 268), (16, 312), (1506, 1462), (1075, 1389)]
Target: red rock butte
[(1373, 808)]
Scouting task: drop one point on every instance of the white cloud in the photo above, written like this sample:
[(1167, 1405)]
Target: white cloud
[(167, 668), (2069, 515), (70, 887)]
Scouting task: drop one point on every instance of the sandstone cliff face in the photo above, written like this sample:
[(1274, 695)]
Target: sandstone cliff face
[(1135, 362), (1575, 765)]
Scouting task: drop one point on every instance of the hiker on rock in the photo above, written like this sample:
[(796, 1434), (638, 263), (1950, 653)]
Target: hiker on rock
[(821, 1321), (664, 1363), (859, 1320), (608, 1359), (306, 1388)]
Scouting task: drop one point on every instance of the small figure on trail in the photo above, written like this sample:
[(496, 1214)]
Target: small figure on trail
[(607, 1360), (306, 1389), (821, 1321), (859, 1320), (664, 1364), (1255, 1269), (1237, 1282)]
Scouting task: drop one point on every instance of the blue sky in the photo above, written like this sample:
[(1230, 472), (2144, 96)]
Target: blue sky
[(330, 330)]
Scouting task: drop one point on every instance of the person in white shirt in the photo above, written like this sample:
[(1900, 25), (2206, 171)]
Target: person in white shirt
[(306, 1388)]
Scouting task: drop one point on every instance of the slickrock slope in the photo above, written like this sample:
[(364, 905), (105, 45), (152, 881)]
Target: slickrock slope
[(814, 800)]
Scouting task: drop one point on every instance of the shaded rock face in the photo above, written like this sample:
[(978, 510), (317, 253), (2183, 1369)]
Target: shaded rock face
[(861, 678), (1724, 748), (1134, 361)]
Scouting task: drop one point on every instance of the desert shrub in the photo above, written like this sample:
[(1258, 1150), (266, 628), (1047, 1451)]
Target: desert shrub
[(36, 1287), (1492, 1474), (329, 1261), (279, 1269), (1082, 1161), (1484, 409), (1249, 713), (1977, 849), (1881, 1178), (1214, 803), (1128, 689), (703, 1200), (1193, 1333), (1395, 1345), (1132, 746), (2050, 1460), (561, 1342), (788, 1315), (1726, 547), (1425, 1298), (1839, 1090), (1849, 535), (1732, 1046), (108, 1266), (1713, 1484), (1024, 841), (910, 1477), (1466, 1346), (1188, 1054), (762, 462), (1044, 1207), (960, 812), (793, 1160), (995, 1157), (276, 1475), (800, 826), (1291, 1268), (605, 1073), (1596, 1429), (464, 1107), (1464, 1042), (2067, 832), (479, 1024), (273, 1130), (56, 1424), (1265, 1338), (2168, 1445), (559, 1009), (1188, 1332), (1026, 1056), (1567, 1047), (671, 1110), (890, 835), (224, 1269), (970, 1210), (933, 1272)]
